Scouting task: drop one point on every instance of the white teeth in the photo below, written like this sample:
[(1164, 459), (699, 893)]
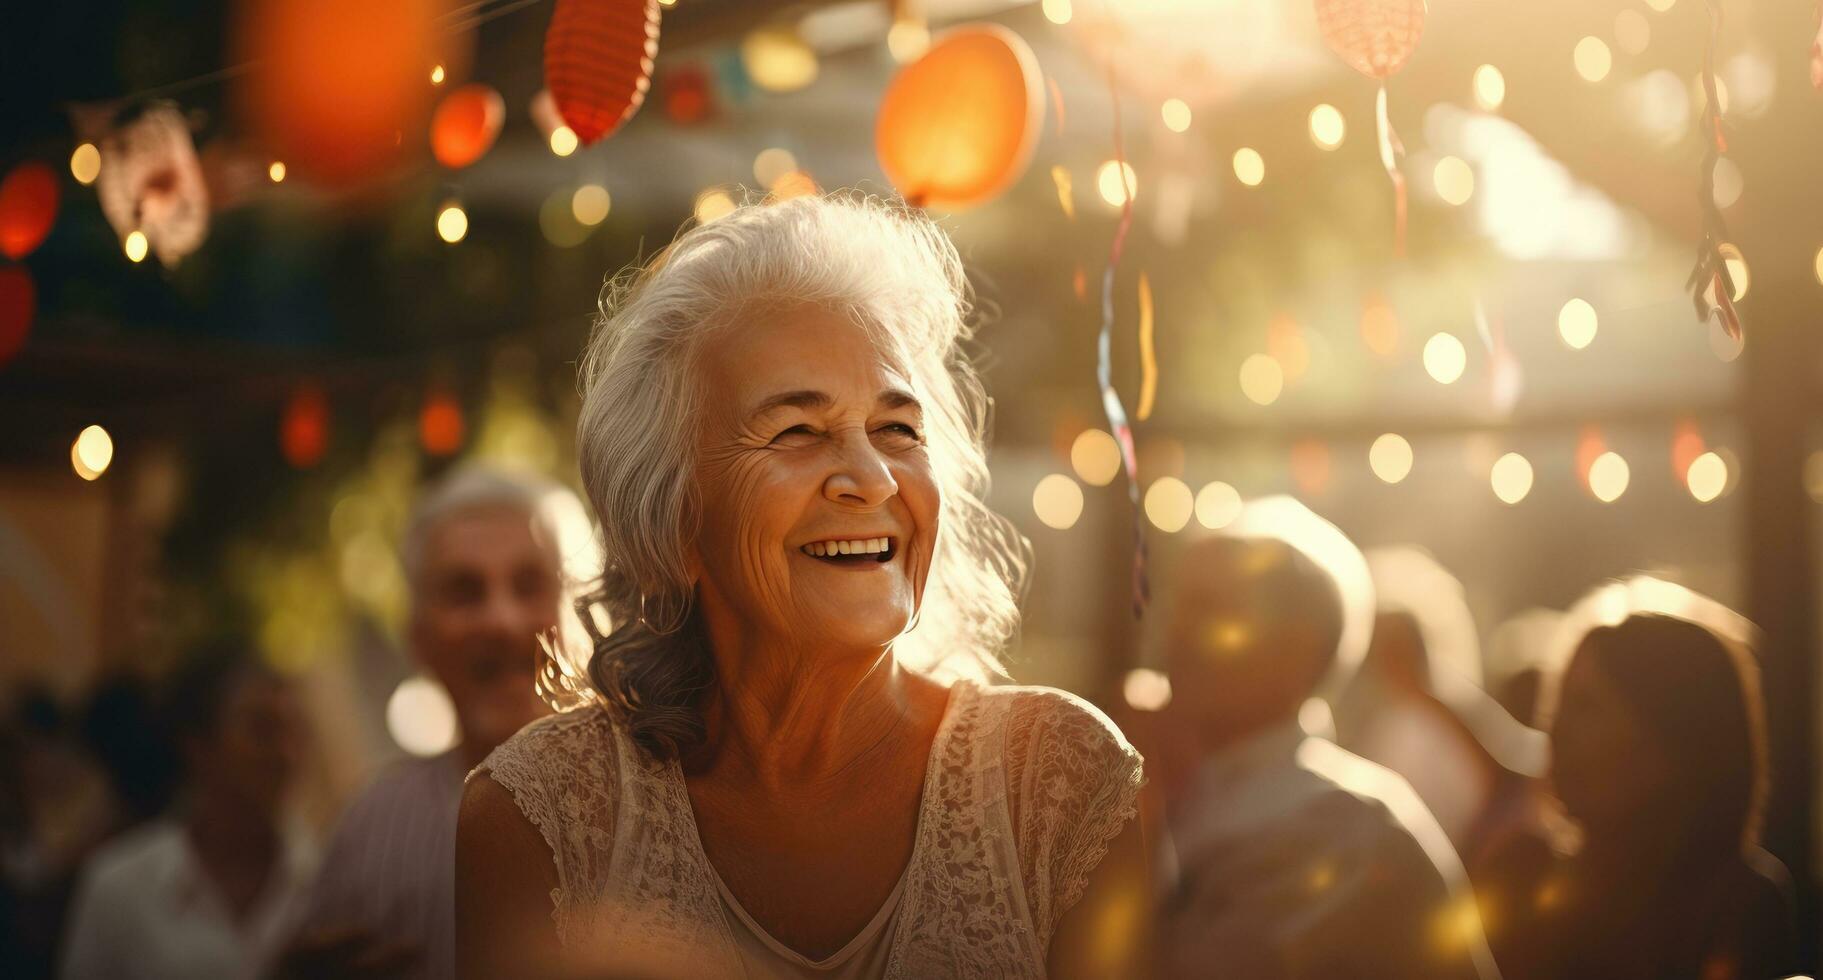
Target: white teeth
[(858, 546)]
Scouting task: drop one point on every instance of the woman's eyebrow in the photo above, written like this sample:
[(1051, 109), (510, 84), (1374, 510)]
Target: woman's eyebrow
[(805, 399), (899, 398)]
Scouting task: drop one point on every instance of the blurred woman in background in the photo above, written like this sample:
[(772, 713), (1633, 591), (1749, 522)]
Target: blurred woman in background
[(1659, 764)]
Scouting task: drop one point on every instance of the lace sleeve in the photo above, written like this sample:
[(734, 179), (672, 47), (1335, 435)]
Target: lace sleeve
[(1076, 784)]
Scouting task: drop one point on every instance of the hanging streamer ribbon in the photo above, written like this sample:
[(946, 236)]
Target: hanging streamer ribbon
[(1148, 359), (1391, 151), (1104, 365), (1710, 284)]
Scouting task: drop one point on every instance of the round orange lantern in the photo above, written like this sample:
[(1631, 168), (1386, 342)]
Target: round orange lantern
[(440, 427), (958, 125), (28, 208), (598, 62), (465, 125), (339, 84), (1375, 37), (18, 302)]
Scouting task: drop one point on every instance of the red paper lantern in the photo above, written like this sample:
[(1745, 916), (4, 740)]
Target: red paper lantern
[(440, 427), (28, 208), (304, 430), (598, 62), (1375, 37), (465, 125), (340, 84), (958, 125), (18, 303)]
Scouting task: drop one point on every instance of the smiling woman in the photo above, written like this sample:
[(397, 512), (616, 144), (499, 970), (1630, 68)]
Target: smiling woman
[(796, 760)]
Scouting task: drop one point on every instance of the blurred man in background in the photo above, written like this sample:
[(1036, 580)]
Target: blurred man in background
[(210, 890), (1294, 858), (484, 566)]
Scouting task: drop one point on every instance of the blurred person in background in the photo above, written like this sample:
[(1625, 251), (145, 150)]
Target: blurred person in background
[(484, 560), (208, 890), (1659, 765), (1294, 857)]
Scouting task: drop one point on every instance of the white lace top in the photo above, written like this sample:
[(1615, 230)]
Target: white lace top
[(1025, 789)]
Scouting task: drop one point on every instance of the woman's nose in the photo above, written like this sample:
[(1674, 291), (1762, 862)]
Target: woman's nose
[(861, 477)]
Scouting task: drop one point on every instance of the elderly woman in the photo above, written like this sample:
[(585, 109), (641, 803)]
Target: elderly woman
[(794, 762)]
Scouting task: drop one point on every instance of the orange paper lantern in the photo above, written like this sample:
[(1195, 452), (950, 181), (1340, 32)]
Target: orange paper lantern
[(598, 62), (465, 125), (28, 208), (18, 303), (1375, 37), (958, 125), (340, 84), (304, 430), (440, 427)]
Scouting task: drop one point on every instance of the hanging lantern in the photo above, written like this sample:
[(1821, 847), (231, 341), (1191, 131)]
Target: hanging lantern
[(465, 125), (440, 427), (598, 62), (304, 429), (958, 125), (340, 83), (1376, 38), (28, 208), (18, 304), (153, 184)]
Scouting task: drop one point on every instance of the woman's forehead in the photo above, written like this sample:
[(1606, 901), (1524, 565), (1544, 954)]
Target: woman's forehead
[(802, 349)]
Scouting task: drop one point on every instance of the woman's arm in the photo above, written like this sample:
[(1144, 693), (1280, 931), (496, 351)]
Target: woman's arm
[(1108, 933), (504, 877)]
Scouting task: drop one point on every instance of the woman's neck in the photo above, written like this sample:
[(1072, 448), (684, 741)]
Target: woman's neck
[(791, 714)]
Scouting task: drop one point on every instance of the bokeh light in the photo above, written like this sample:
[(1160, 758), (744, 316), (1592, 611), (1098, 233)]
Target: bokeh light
[(778, 60), (1390, 457), (135, 245), (590, 204), (1577, 323), (1327, 127), (907, 40), (275, 172), (1249, 166), (1490, 88), (563, 141), (1454, 180), (1660, 5), (1728, 183), (91, 453), (1057, 11), (1379, 326), (1737, 268), (771, 164), (1511, 478), (1146, 689), (420, 717), (557, 220), (1217, 505), (1631, 31), (437, 74), (712, 204), (1593, 59), (1608, 477), (1169, 504), (1095, 456), (1262, 379), (1707, 477), (1057, 501), (1445, 358), (1108, 181), (85, 164), (1813, 475), (1176, 113), (452, 223)]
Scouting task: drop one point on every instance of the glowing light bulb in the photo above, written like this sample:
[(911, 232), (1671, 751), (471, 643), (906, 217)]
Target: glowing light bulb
[(275, 172), (1608, 477), (1169, 504), (1593, 59), (1576, 323), (91, 453), (1095, 457), (1707, 477), (1176, 113), (563, 140), (452, 223), (135, 245), (436, 75)]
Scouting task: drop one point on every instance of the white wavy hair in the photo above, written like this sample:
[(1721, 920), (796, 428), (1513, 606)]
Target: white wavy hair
[(892, 272)]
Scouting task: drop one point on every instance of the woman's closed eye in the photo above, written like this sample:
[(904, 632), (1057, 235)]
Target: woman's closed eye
[(900, 430)]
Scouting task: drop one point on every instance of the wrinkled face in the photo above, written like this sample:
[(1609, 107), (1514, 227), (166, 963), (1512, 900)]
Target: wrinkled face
[(819, 507), (1606, 767), (488, 588)]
